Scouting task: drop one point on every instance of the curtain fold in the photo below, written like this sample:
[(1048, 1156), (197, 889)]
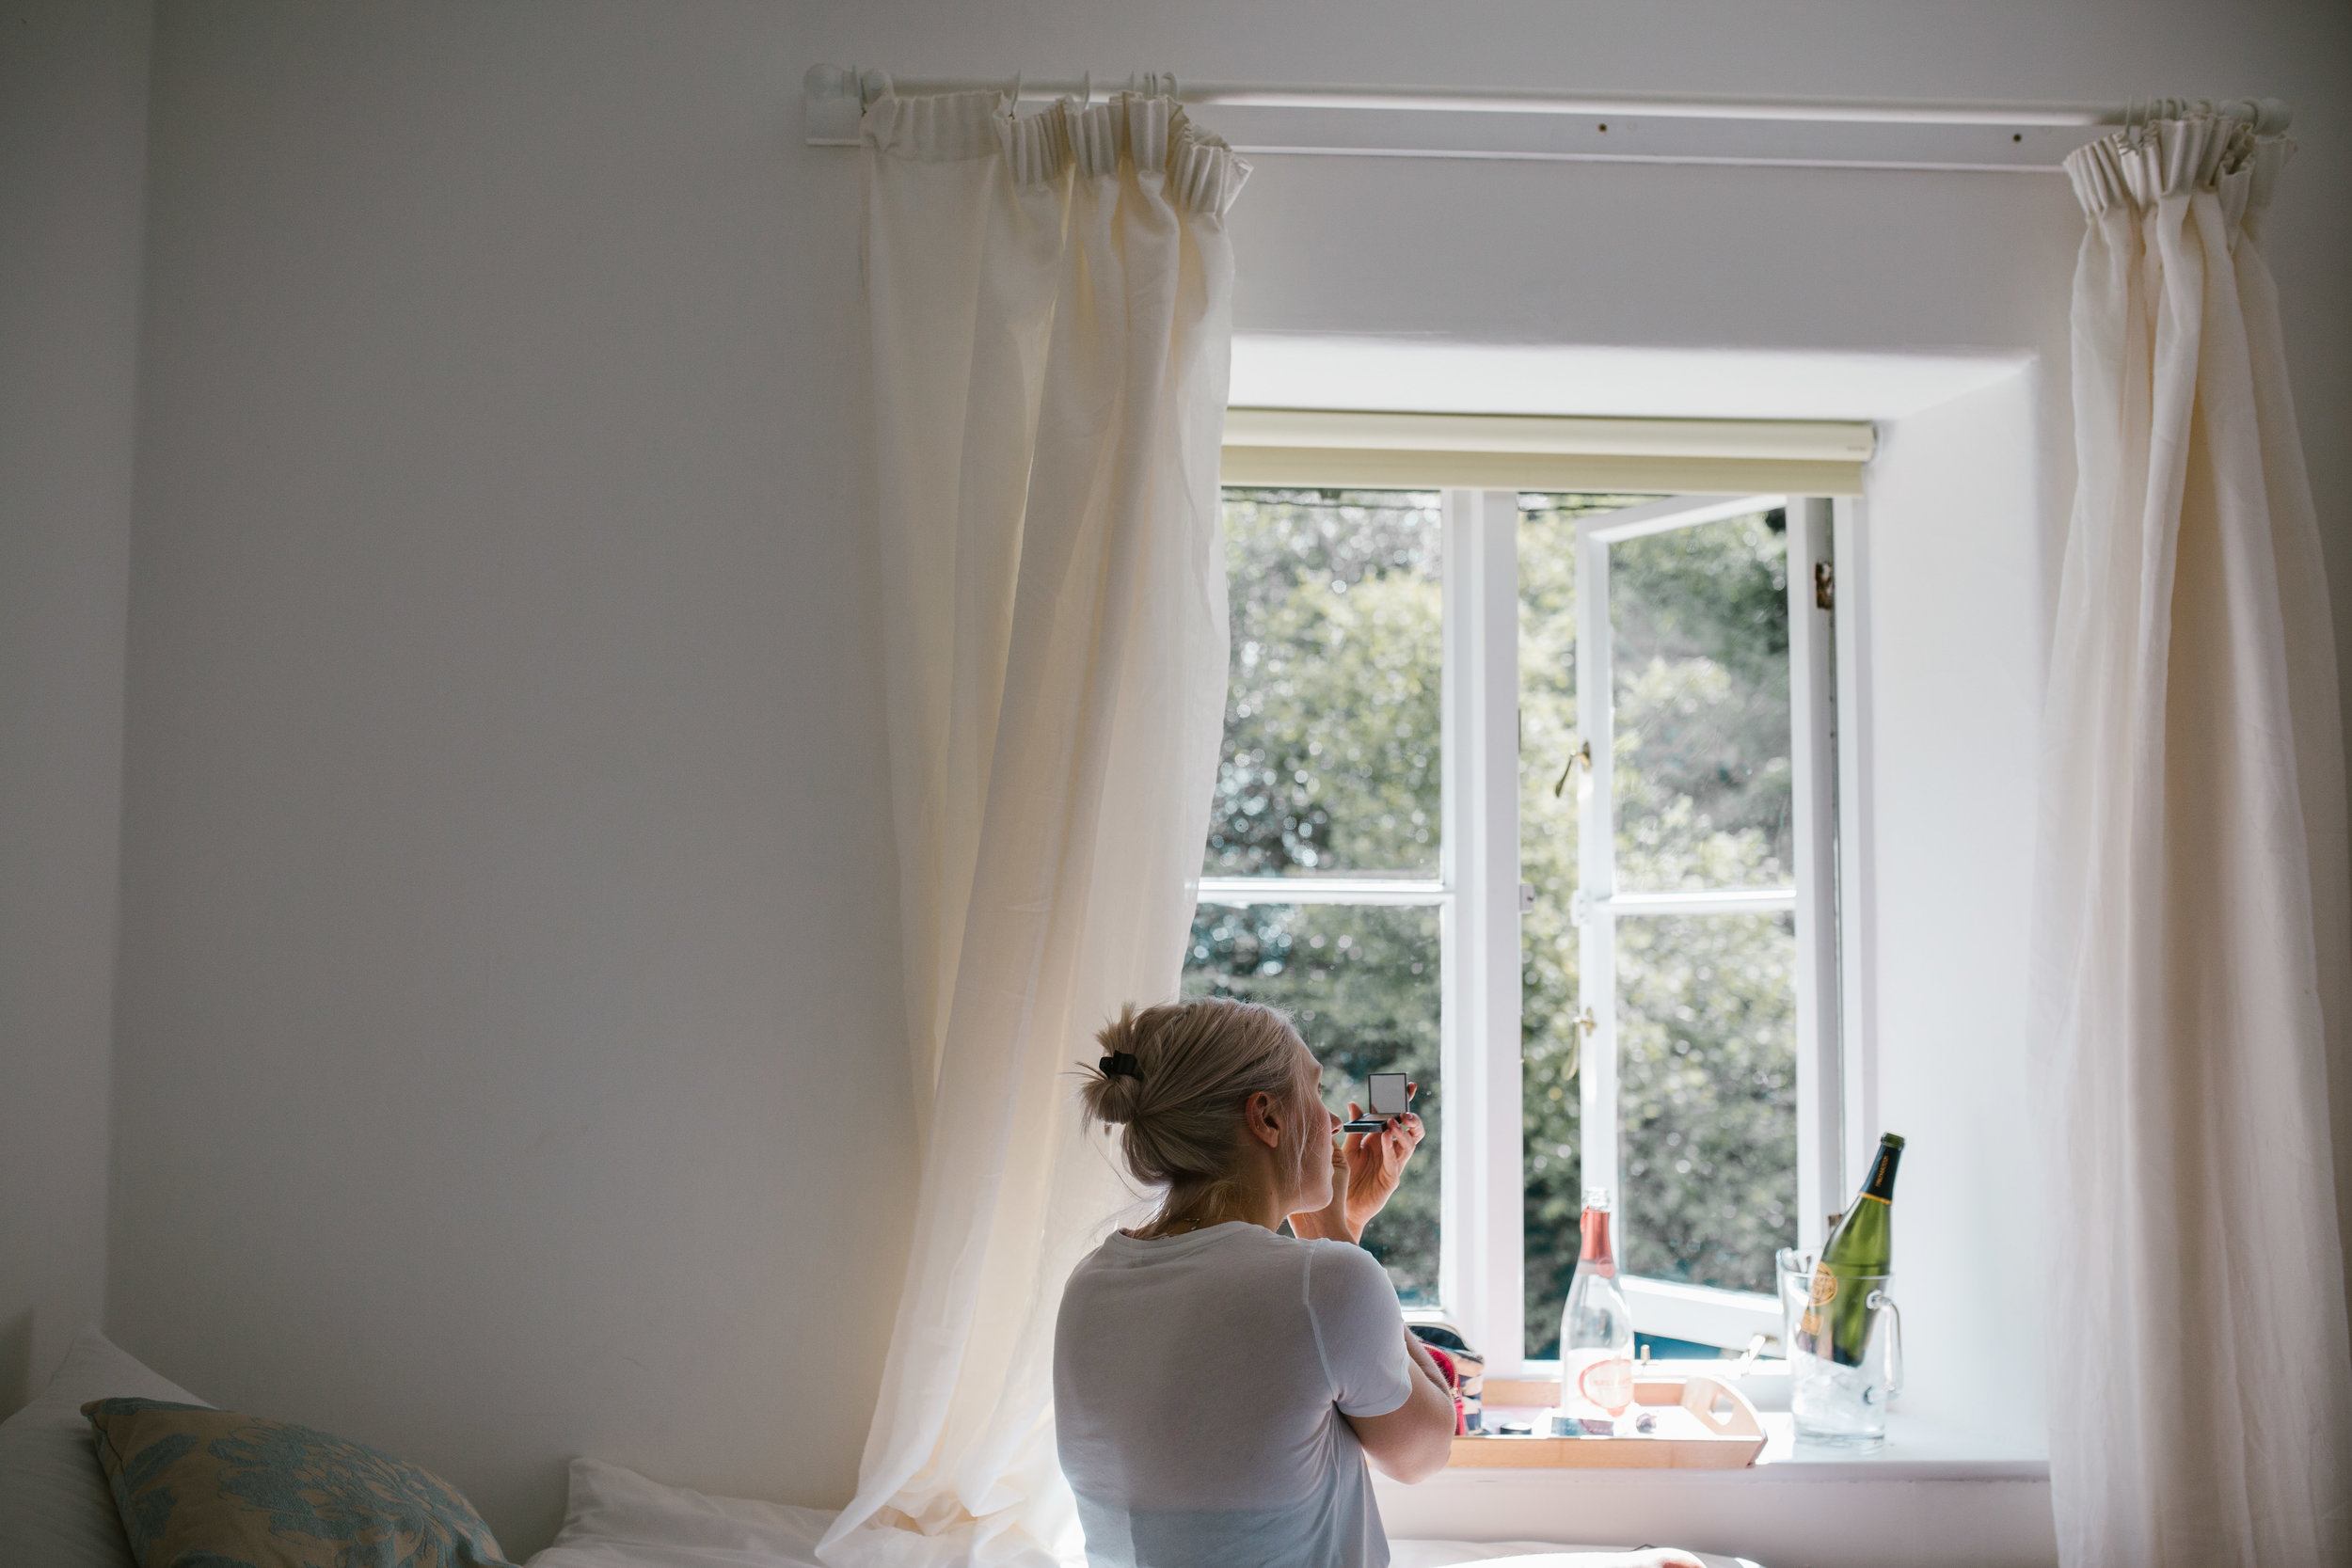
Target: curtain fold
[(1050, 311), (2191, 926)]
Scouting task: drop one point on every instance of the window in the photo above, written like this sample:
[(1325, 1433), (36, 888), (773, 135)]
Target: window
[(1324, 890), (1531, 795)]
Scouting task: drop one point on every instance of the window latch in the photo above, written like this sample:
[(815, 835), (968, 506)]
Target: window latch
[(1583, 754), (1527, 898), (1824, 586), (1580, 908)]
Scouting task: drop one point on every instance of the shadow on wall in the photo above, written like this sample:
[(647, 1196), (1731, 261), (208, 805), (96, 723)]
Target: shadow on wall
[(16, 1362)]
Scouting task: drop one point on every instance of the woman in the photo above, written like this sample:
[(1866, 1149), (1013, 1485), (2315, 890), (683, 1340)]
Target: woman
[(1218, 1385)]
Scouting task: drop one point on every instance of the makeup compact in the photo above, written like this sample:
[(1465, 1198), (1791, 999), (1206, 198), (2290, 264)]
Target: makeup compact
[(1386, 1095)]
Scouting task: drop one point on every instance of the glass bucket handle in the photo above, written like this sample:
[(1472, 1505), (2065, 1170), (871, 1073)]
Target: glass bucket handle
[(1874, 1302)]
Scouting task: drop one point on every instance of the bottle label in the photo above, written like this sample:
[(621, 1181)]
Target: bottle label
[(1824, 1286), (1608, 1384)]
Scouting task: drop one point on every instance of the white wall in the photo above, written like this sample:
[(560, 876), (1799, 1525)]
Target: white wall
[(72, 148), (507, 1058), (1955, 677), (508, 1061)]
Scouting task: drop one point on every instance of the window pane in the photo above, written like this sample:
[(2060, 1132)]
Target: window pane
[(1331, 720), (1362, 984), (1701, 687), (1707, 1093), (1548, 797)]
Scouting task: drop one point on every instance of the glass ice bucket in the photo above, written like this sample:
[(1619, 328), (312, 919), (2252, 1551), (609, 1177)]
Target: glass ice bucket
[(1831, 1402)]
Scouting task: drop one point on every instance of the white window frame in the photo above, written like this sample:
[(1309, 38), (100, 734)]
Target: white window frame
[(1479, 895)]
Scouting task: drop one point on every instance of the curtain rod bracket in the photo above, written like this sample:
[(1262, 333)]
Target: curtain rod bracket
[(833, 100)]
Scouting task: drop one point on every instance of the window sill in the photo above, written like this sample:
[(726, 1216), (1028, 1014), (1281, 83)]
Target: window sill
[(1932, 1496), (1915, 1449)]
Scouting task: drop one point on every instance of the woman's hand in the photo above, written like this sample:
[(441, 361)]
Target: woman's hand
[(1365, 1170)]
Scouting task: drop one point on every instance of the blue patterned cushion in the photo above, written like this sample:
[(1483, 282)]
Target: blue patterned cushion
[(202, 1488)]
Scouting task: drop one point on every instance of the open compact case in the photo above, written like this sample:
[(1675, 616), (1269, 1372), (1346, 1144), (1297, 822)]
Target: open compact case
[(1386, 1095)]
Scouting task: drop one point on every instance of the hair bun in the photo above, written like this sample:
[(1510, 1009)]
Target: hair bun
[(1174, 1077), (1116, 1085)]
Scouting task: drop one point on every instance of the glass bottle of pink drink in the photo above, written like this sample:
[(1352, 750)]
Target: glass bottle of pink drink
[(1596, 1332)]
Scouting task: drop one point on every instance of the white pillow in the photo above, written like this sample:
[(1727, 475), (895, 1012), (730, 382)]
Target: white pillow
[(56, 1510), (616, 1518)]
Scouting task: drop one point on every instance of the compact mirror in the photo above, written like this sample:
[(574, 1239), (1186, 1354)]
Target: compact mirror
[(1386, 1095)]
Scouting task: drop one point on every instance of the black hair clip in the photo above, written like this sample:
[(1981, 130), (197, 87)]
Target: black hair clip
[(1119, 1064)]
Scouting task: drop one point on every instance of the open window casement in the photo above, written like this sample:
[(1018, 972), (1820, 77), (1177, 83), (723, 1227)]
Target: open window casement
[(1485, 472)]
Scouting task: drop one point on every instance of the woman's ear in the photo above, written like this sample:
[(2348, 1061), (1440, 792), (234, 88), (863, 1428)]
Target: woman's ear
[(1263, 1118)]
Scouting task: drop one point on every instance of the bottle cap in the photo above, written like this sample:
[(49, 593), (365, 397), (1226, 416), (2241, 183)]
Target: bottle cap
[(1891, 1140)]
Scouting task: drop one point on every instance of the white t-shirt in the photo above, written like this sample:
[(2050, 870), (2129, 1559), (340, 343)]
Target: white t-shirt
[(1199, 1383)]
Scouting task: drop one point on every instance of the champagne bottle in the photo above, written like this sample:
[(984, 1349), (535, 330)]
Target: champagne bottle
[(1836, 1322), (1596, 1330)]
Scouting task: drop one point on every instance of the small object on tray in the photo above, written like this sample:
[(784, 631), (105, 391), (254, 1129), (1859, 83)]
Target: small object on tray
[(1463, 1368), (1679, 1423)]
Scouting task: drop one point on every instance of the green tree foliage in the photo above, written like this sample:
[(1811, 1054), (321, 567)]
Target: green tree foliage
[(1332, 768), (1705, 1005), (1332, 728)]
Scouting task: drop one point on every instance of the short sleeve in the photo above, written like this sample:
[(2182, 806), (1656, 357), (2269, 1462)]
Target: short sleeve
[(1360, 1329)]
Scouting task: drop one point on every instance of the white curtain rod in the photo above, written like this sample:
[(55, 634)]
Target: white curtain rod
[(834, 93)]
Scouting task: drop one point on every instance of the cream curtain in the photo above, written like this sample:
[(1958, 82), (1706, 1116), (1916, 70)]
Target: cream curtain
[(2192, 932), (1050, 303)]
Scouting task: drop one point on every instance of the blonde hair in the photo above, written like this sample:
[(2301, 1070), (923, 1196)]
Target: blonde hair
[(1179, 1098)]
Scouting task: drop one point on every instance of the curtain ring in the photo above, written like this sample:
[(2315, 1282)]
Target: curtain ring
[(872, 85)]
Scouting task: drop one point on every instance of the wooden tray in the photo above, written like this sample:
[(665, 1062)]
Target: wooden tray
[(1703, 1425)]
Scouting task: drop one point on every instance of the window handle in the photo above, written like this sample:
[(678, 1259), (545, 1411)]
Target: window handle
[(1580, 1027), (1582, 753)]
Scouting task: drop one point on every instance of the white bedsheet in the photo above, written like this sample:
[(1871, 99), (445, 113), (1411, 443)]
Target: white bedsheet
[(1521, 1554), (616, 1518)]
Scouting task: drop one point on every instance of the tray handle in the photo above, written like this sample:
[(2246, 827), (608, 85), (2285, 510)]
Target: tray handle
[(1699, 1397)]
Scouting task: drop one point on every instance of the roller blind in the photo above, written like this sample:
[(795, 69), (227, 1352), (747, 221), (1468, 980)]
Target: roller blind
[(1536, 452)]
